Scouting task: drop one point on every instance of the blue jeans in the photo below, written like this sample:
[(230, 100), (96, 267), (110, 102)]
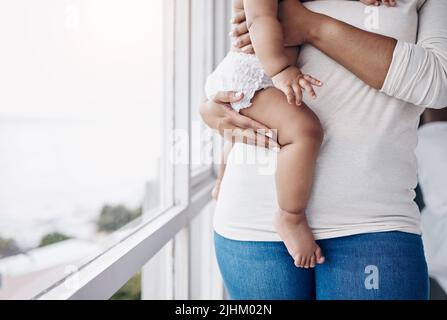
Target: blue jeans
[(383, 266)]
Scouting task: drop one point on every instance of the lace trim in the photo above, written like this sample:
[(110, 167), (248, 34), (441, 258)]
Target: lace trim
[(238, 72)]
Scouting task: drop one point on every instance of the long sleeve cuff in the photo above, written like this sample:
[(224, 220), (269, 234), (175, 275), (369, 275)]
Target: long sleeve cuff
[(417, 75)]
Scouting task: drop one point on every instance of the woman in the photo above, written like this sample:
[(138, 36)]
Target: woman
[(380, 69)]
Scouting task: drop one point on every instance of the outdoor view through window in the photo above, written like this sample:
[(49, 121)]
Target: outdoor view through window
[(81, 127)]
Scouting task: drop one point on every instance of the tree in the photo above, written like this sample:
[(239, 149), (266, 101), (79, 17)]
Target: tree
[(131, 290), (52, 238), (8, 247), (113, 218)]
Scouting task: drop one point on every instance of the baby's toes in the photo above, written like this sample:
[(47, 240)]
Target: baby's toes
[(307, 264), (313, 260), (319, 255), (299, 260)]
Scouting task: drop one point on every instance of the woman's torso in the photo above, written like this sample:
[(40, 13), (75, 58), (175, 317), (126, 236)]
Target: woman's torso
[(366, 170)]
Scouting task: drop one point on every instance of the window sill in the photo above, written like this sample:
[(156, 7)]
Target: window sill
[(105, 275)]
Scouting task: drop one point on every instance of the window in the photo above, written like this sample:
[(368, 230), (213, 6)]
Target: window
[(202, 61), (105, 168), (82, 122)]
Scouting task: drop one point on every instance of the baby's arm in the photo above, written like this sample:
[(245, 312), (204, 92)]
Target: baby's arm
[(292, 54), (266, 34), (267, 38)]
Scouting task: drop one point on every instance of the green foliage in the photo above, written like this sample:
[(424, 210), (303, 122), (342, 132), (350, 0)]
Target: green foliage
[(114, 217), (52, 238), (131, 290), (8, 247)]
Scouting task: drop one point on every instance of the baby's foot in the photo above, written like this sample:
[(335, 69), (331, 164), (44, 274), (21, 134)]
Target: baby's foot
[(298, 238), (388, 3), (216, 190)]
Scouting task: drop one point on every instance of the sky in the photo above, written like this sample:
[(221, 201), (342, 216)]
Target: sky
[(80, 109)]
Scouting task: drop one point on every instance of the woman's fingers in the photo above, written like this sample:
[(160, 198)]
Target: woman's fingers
[(255, 132), (250, 137), (248, 49), (238, 128), (242, 41), (239, 29), (227, 97), (238, 17), (259, 140)]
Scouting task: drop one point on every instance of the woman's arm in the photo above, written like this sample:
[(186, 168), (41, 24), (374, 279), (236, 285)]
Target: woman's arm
[(418, 73), (367, 55), (414, 73)]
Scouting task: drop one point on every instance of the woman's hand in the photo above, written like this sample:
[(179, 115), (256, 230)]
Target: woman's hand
[(219, 115), (298, 25), (239, 33)]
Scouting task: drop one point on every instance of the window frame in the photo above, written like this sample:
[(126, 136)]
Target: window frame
[(188, 192)]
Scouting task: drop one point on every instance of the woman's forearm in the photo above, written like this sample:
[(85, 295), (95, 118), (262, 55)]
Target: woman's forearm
[(367, 55), (415, 73)]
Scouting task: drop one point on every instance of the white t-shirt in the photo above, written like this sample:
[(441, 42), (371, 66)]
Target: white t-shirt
[(366, 170)]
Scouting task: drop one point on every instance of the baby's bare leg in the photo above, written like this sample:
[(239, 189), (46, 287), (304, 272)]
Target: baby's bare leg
[(300, 135)]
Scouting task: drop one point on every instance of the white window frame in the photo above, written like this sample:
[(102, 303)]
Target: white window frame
[(169, 232)]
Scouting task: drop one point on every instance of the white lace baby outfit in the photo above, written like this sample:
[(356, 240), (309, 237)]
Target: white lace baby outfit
[(238, 72)]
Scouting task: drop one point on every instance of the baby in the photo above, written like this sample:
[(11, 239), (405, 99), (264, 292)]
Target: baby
[(270, 86)]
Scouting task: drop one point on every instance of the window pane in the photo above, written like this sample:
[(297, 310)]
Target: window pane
[(131, 290), (81, 117), (201, 66)]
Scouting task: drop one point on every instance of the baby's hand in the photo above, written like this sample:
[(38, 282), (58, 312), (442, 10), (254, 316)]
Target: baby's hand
[(388, 3), (291, 81)]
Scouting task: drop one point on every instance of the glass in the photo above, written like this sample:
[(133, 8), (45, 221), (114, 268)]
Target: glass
[(131, 290), (81, 127), (201, 67)]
